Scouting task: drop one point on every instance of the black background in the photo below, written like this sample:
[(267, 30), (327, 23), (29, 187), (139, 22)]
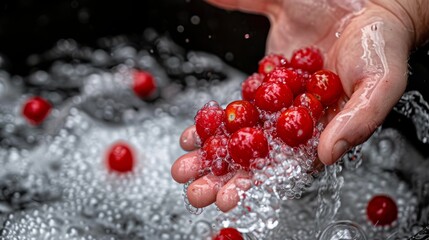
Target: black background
[(31, 26)]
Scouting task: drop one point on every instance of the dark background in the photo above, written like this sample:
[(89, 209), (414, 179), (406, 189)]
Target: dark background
[(31, 26)]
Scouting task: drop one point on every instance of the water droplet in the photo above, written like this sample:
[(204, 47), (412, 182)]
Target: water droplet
[(195, 20), (337, 34), (180, 28)]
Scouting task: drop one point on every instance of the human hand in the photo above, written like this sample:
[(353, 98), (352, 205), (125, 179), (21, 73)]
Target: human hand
[(370, 56)]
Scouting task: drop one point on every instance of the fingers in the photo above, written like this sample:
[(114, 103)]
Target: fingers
[(186, 167), (252, 6), (227, 197), (188, 139), (202, 192)]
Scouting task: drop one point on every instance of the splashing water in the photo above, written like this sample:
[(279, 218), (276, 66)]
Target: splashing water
[(413, 106), (55, 185)]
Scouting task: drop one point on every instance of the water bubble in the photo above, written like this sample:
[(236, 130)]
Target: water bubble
[(180, 28), (195, 20), (229, 56), (343, 230)]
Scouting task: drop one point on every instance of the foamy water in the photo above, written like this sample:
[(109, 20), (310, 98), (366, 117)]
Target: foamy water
[(55, 184)]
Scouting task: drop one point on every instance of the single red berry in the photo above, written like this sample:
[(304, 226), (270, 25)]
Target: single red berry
[(247, 144), (208, 120), (215, 147), (36, 109), (286, 76), (240, 114), (310, 102), (250, 85), (382, 210), (120, 157), (326, 86), (308, 59), (220, 167), (269, 62), (228, 234), (273, 97), (295, 126), (144, 85)]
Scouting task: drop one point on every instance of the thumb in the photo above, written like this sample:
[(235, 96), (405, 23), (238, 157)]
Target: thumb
[(374, 85), (360, 117)]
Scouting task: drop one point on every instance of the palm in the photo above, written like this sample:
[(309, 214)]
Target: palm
[(369, 52)]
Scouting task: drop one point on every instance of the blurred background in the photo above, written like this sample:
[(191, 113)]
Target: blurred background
[(32, 27)]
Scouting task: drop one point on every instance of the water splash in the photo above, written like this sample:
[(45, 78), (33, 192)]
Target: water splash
[(328, 199), (413, 106)]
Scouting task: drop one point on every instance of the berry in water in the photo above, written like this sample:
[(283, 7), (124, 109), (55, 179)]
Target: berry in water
[(120, 158), (273, 96), (250, 85), (307, 59), (286, 76), (144, 85), (310, 102), (269, 62), (220, 167), (382, 210), (247, 144), (215, 147), (240, 114), (228, 234), (208, 120), (295, 126), (36, 109), (326, 86)]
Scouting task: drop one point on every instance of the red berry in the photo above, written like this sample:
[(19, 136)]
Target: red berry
[(287, 76), (144, 84), (120, 158), (240, 114), (308, 59), (250, 85), (382, 210), (208, 120), (273, 97), (310, 102), (36, 110), (228, 234), (269, 62), (247, 144), (295, 126), (326, 86), (215, 147), (220, 167)]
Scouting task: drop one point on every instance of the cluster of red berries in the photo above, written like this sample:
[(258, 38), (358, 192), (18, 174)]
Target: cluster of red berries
[(284, 101)]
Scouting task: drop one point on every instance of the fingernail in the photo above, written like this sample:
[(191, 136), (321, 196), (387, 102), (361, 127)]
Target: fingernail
[(340, 147)]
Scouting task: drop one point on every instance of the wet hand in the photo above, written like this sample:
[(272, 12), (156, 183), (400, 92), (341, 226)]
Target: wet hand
[(365, 42)]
